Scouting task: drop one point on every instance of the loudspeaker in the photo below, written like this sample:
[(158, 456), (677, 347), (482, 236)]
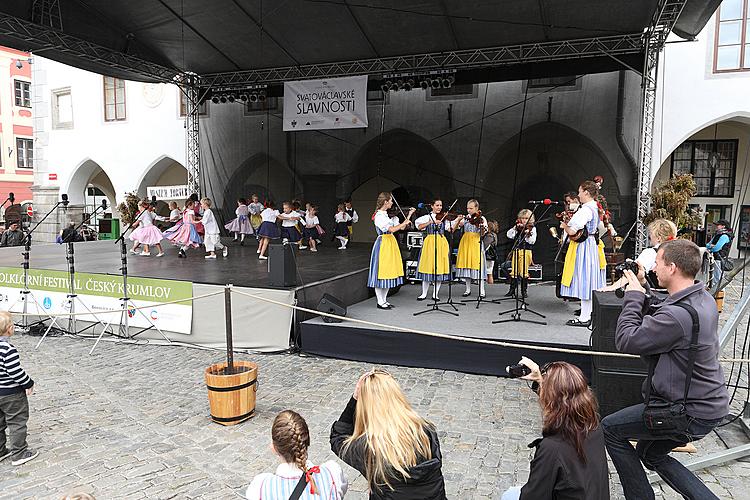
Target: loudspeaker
[(281, 266), (331, 305), (616, 382)]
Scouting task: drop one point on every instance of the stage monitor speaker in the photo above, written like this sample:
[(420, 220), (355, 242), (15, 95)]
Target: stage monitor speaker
[(331, 305), (282, 270), (616, 390)]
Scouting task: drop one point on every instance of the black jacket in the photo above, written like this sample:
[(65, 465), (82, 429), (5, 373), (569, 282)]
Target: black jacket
[(557, 472), (426, 482)]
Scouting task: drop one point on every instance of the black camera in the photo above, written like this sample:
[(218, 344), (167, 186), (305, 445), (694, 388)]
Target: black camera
[(628, 265), (517, 371)]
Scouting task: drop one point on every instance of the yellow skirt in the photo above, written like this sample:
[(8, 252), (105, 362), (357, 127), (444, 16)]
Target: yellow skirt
[(570, 261), (389, 258), (469, 252), (427, 257), (524, 259), (256, 220)]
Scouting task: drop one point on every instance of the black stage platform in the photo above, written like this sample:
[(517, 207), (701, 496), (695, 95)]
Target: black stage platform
[(382, 345)]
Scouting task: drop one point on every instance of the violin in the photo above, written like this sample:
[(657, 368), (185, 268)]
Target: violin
[(565, 217), (525, 227), (475, 219), (449, 216)]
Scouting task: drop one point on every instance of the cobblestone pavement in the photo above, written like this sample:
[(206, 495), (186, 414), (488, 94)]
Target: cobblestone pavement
[(131, 421)]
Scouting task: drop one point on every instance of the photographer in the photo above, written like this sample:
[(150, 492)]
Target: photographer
[(719, 247), (569, 461), (662, 333)]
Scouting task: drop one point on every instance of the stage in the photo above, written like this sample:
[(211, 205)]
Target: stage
[(376, 344)]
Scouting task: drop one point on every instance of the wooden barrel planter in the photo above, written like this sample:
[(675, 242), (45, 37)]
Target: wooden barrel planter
[(231, 396)]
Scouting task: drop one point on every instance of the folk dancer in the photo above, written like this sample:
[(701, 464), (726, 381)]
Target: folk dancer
[(342, 220), (240, 225), (311, 231), (353, 214), (290, 231), (470, 262), (585, 267), (268, 229), (434, 257), (186, 236), (147, 233), (212, 240), (255, 208), (386, 265)]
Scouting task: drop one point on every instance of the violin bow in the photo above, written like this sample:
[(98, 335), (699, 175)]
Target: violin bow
[(399, 207)]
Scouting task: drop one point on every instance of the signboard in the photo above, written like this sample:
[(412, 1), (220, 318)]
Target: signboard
[(52, 177), (101, 292), (325, 104), (168, 192)]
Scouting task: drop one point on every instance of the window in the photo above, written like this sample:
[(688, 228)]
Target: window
[(25, 153), (23, 93), (732, 39), (712, 163), (743, 234), (713, 214), (114, 99), (62, 109), (202, 107)]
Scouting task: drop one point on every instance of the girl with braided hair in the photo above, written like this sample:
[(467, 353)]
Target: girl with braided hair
[(290, 440)]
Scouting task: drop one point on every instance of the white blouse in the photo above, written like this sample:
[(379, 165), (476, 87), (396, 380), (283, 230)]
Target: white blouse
[(583, 215), (530, 239), (287, 220), (255, 208), (253, 491), (383, 222), (269, 215), (342, 217)]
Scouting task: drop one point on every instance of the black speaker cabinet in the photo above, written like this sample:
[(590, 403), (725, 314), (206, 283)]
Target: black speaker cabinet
[(616, 381), (331, 305), (282, 271)]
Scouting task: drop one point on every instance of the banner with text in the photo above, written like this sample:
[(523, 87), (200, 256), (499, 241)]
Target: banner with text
[(168, 192), (100, 292), (325, 104)]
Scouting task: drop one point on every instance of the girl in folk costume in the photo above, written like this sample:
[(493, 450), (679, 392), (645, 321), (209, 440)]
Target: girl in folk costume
[(290, 440), (175, 214), (268, 229), (585, 267), (255, 208), (197, 214), (186, 235), (146, 233), (342, 220), (240, 226), (312, 225), (434, 259), (386, 266), (470, 263), (521, 258), (212, 240), (290, 231)]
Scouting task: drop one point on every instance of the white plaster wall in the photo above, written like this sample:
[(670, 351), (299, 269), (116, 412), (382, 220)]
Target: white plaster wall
[(125, 150)]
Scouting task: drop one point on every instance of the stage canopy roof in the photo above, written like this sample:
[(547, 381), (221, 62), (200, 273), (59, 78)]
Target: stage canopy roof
[(152, 40)]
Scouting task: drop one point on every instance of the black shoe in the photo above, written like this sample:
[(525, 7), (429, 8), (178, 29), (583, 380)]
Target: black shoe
[(383, 307), (466, 294), (421, 298), (512, 290), (242, 243), (578, 322), (524, 288), (182, 254), (577, 312), (389, 305)]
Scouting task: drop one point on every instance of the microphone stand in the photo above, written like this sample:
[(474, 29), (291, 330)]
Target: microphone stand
[(125, 301), (27, 294), (450, 302), (72, 295), (521, 305)]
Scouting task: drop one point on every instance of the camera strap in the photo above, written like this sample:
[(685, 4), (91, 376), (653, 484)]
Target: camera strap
[(691, 355)]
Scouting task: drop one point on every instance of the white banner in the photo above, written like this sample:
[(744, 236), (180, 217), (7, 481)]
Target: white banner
[(325, 104), (168, 192)]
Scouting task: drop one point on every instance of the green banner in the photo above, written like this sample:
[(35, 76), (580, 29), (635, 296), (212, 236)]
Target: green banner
[(101, 285)]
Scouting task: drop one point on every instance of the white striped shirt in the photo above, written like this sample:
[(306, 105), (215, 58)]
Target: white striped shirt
[(13, 378)]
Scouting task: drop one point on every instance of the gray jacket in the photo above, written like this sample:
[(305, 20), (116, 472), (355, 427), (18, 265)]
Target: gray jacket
[(664, 328), (12, 238)]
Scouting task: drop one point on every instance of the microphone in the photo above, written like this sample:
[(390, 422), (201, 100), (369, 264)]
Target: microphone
[(545, 201), (104, 204), (422, 205), (12, 198)]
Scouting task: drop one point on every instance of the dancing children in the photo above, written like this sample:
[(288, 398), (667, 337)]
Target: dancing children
[(342, 226), (434, 258), (240, 225), (312, 225), (186, 236), (147, 233), (470, 262), (213, 236), (583, 272), (268, 229), (290, 440), (353, 214), (175, 214), (522, 257), (255, 208), (197, 215), (386, 268), (289, 218)]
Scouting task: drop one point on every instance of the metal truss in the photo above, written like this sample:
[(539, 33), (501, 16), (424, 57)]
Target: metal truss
[(41, 38), (456, 60), (47, 13), (665, 15), (190, 87)]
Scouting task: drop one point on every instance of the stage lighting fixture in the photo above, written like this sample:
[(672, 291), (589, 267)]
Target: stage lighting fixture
[(253, 97), (223, 99), (385, 88), (435, 84), (446, 83), (389, 84), (231, 98), (424, 84), (215, 99), (243, 97), (400, 84), (262, 95), (407, 86)]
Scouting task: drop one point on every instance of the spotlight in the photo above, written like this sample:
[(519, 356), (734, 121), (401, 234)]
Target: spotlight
[(223, 99), (262, 95), (435, 84), (243, 97), (231, 98), (385, 88), (424, 84), (408, 86), (446, 83), (389, 85), (253, 97), (400, 84), (215, 99)]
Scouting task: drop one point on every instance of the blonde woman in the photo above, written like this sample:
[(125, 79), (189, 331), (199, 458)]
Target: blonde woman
[(381, 436), (659, 231)]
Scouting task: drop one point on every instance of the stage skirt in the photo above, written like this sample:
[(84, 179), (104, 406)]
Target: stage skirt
[(386, 267), (341, 230), (310, 232), (240, 225), (269, 230), (583, 271), (255, 221), (523, 259), (470, 261), (291, 233), (426, 267), (149, 235), (186, 235), (173, 229)]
